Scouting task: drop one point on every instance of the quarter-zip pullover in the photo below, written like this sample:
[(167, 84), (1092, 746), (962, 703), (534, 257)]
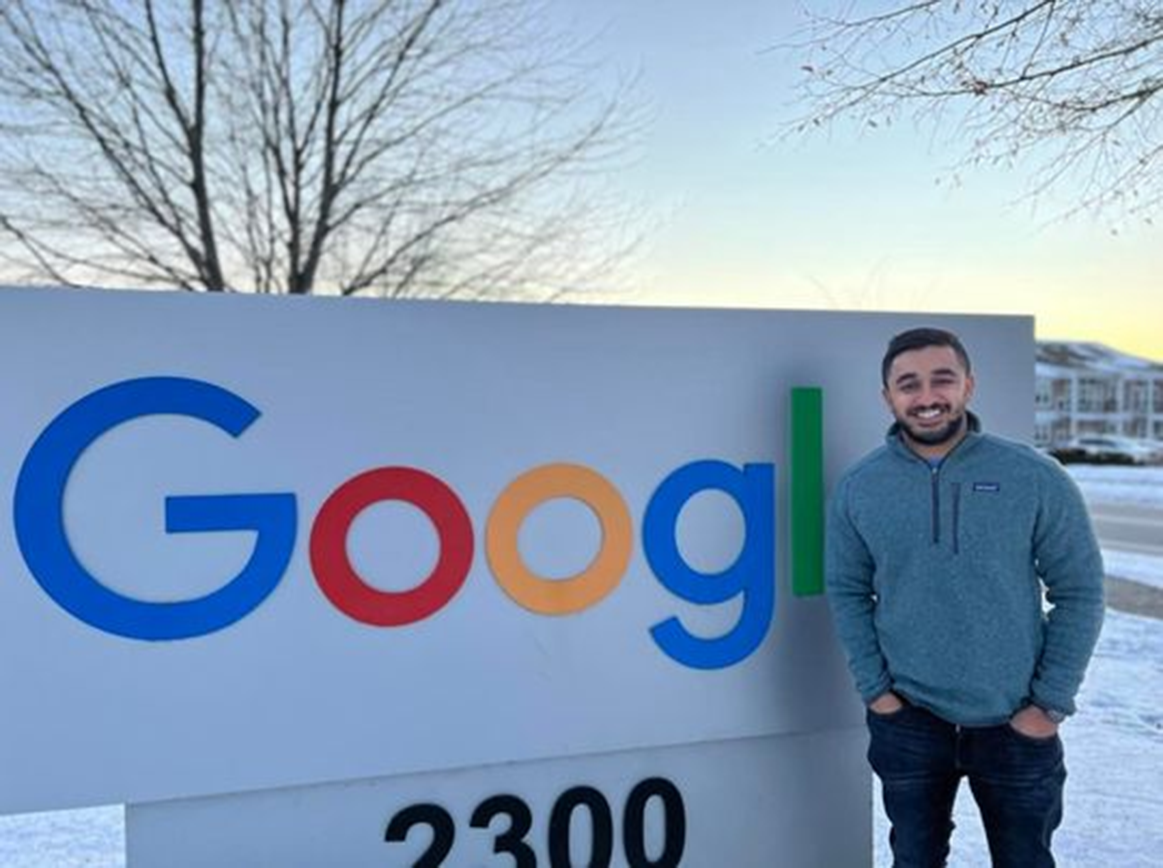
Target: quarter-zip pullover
[(935, 575)]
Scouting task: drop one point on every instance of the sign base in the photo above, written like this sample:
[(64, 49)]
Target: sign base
[(802, 800)]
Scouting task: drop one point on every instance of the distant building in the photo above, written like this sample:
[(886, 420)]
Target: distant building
[(1086, 388)]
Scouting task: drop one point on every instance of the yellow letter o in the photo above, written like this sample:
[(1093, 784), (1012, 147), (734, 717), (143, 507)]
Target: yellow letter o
[(522, 496)]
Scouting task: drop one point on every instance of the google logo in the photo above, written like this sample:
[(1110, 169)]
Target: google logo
[(274, 518)]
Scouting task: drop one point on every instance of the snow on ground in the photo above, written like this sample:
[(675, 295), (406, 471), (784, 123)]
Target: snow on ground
[(92, 838), (1142, 486), (1143, 569)]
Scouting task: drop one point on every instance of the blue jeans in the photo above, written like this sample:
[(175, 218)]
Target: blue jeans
[(1015, 779)]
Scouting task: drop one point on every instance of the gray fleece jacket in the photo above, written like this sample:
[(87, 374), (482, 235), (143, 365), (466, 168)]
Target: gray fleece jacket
[(935, 576)]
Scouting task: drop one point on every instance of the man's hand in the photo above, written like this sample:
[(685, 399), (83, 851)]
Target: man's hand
[(1032, 721), (887, 703)]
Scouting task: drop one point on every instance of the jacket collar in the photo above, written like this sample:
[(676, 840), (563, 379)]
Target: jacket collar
[(973, 435)]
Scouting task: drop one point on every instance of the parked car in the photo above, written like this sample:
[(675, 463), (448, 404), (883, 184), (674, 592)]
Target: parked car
[(1108, 449)]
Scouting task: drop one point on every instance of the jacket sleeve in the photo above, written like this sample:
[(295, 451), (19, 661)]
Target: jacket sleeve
[(1069, 563), (848, 577)]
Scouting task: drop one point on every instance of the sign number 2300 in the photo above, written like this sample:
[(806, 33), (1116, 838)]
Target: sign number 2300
[(511, 840)]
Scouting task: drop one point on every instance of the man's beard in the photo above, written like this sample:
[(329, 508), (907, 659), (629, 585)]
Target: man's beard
[(935, 437)]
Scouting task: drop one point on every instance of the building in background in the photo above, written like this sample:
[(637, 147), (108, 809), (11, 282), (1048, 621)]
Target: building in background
[(1089, 389)]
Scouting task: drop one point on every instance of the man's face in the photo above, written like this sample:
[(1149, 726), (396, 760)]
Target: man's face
[(928, 391)]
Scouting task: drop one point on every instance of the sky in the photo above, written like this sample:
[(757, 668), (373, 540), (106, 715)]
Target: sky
[(735, 214)]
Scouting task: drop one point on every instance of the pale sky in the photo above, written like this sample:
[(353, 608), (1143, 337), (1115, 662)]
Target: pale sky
[(861, 220)]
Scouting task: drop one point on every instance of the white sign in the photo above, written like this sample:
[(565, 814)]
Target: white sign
[(259, 543)]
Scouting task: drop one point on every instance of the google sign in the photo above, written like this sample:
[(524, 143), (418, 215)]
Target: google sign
[(291, 578), (41, 489)]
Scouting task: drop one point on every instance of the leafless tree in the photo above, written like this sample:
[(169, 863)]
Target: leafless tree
[(396, 147), (1075, 87)]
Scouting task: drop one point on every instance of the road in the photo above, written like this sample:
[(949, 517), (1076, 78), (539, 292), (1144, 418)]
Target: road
[(1137, 530), (1129, 528)]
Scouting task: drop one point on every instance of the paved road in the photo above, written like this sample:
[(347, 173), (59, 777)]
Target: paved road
[(1138, 530), (1128, 528)]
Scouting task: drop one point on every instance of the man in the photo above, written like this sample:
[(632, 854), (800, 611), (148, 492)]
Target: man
[(939, 546)]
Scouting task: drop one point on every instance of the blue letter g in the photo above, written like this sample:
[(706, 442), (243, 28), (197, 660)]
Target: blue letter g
[(40, 529)]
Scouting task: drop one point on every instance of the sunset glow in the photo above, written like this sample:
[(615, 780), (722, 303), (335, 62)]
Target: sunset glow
[(860, 219)]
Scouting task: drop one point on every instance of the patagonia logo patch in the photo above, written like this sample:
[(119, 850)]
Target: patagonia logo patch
[(992, 487)]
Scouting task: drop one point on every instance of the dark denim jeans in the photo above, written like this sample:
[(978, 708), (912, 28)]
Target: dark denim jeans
[(1016, 780)]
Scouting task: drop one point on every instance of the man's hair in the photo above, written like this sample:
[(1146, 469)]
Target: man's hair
[(918, 339)]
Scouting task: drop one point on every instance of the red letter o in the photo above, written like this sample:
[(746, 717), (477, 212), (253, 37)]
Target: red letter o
[(344, 587)]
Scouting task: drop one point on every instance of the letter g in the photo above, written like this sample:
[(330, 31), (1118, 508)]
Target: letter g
[(39, 520)]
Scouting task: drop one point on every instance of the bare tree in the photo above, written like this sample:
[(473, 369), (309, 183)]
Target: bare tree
[(395, 147), (1074, 87)]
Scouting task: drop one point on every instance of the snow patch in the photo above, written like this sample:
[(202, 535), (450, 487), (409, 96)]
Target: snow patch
[(1144, 569), (1139, 486)]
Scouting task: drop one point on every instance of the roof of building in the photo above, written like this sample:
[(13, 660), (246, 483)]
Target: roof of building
[(1076, 355)]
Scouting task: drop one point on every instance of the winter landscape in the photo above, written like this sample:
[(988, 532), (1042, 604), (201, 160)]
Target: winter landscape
[(1114, 798)]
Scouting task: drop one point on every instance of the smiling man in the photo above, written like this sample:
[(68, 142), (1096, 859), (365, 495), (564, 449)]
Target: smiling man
[(941, 546)]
